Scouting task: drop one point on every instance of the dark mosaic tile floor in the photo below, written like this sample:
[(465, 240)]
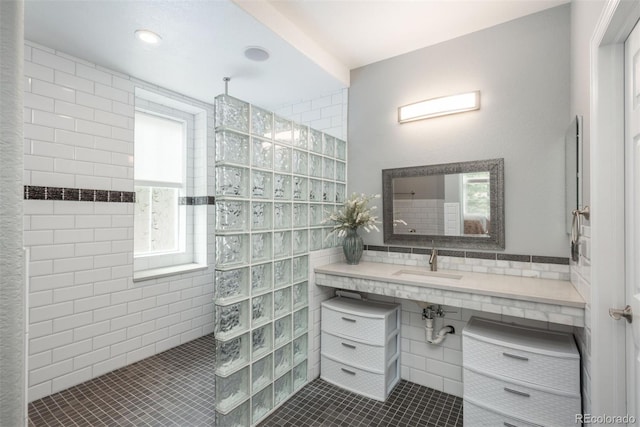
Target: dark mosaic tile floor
[(173, 388), (321, 404), (176, 388)]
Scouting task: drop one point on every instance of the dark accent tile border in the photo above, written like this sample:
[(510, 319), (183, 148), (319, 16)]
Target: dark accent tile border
[(377, 248), (481, 255), (471, 254), (550, 260), (444, 252), (197, 200), (32, 192), (72, 193), (509, 257), (421, 251)]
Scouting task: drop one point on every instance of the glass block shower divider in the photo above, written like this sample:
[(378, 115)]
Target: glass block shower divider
[(275, 181)]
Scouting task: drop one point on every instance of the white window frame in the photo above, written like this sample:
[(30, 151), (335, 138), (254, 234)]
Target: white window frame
[(187, 257)]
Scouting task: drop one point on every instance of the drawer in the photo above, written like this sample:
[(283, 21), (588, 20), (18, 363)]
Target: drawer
[(348, 325), (350, 378), (521, 401), (370, 357), (477, 416), (547, 371)]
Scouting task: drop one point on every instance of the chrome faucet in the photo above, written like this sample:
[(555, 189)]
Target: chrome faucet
[(433, 259)]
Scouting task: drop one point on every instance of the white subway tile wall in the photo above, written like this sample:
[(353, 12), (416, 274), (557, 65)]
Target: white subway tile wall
[(423, 216), (581, 279), (86, 316), (327, 113), (440, 366), (318, 294)]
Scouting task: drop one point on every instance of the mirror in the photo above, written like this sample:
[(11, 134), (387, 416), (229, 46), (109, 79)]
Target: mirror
[(573, 168), (452, 205)]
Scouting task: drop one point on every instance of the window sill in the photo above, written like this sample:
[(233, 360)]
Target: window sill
[(156, 273)]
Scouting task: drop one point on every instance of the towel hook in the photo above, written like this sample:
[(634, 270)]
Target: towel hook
[(575, 229)]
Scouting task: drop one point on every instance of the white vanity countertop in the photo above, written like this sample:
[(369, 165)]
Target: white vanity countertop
[(547, 291)]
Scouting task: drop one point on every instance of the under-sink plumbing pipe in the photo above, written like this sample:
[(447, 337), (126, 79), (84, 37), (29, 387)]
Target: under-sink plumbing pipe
[(429, 313), (441, 335)]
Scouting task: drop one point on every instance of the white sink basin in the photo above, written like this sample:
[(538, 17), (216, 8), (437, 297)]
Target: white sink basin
[(423, 273)]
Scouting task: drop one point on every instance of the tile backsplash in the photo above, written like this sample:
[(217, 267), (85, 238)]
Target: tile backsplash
[(581, 279), (478, 262)]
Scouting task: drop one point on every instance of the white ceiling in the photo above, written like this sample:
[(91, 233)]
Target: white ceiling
[(203, 41), (313, 44), (360, 32)]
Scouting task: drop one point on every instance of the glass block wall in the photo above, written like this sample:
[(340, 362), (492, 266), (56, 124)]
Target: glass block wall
[(275, 182)]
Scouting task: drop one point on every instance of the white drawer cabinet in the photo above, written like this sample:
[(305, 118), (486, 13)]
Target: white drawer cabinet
[(480, 416), (360, 346), (518, 373)]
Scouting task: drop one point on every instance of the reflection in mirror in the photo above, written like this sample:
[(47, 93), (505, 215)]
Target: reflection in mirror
[(454, 205), (450, 205)]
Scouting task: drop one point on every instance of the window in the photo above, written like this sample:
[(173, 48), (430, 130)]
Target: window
[(160, 181), (170, 174), (475, 190)]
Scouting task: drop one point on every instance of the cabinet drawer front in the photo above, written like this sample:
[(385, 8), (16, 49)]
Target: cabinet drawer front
[(365, 356), (520, 401), (360, 328), (477, 416), (353, 379), (547, 371)]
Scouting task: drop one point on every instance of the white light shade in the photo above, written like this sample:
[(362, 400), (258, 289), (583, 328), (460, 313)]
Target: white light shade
[(439, 107)]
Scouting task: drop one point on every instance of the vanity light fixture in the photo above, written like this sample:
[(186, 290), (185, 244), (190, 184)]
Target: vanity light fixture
[(442, 106), (148, 36)]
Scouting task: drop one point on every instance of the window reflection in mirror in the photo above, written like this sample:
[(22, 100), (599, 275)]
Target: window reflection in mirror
[(450, 205)]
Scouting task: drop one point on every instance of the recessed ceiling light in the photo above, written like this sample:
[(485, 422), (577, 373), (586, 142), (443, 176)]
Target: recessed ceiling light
[(256, 53), (148, 36)]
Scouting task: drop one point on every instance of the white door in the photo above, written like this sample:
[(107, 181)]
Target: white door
[(632, 215)]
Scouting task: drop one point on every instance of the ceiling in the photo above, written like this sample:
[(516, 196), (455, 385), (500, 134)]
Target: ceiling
[(313, 44), (360, 32)]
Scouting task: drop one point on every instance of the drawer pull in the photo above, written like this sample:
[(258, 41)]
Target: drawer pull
[(506, 424), (348, 319), (515, 356), (519, 393), (351, 346), (348, 371)]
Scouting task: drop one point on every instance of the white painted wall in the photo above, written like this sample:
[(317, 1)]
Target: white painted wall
[(522, 69), (584, 17)]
